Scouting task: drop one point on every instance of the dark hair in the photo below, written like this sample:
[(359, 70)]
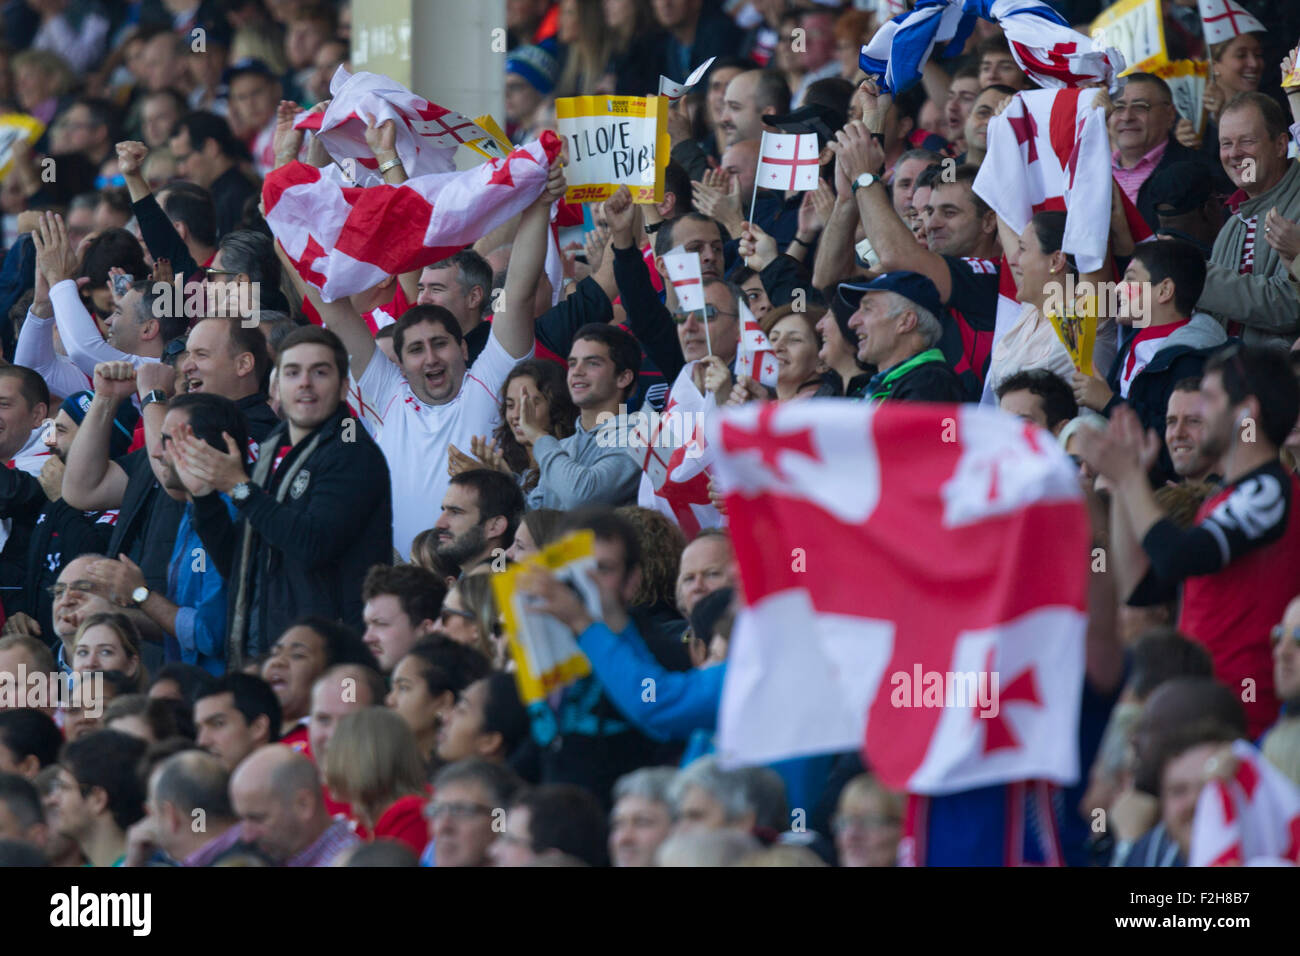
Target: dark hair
[(1163, 654), (1057, 395), (112, 247), (606, 525), (20, 853), (447, 665), (315, 335), (1150, 78), (341, 644), (550, 381), (31, 386), (1177, 260), (210, 415), (964, 175), (419, 592), (203, 126), (251, 696), (499, 780), (503, 712), (999, 87), (498, 496), (117, 199), (664, 236), (968, 68), (386, 852), (253, 254), (678, 182), (623, 349), (192, 680), (158, 714), (191, 204), (833, 92), (107, 759), (567, 818), (171, 323), (931, 176), (1274, 119), (1194, 734), (102, 113), (22, 798), (1049, 230), (993, 43), (30, 733), (772, 90), (1266, 374), (243, 338), (471, 270), (1189, 384), (424, 313)]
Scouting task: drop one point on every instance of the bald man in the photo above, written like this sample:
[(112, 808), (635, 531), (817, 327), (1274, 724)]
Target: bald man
[(276, 794), (188, 813), (707, 565)]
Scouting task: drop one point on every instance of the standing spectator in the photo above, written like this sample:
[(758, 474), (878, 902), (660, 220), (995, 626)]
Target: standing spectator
[(585, 44), (208, 155), (695, 34), (463, 286)]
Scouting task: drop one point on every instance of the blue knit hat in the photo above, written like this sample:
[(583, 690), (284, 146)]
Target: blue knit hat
[(78, 403), (535, 65)]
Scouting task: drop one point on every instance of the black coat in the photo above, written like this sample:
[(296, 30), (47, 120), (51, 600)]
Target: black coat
[(1175, 152)]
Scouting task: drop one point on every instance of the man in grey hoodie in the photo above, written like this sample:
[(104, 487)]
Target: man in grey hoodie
[(1163, 340)]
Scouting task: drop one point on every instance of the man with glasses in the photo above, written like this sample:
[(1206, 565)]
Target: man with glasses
[(466, 812), (1141, 127), (77, 595)]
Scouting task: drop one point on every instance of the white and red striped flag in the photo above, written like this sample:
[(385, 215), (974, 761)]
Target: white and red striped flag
[(914, 581), (687, 279), (1253, 816), (1224, 19), (346, 240), (754, 356), (674, 457), (427, 134), (788, 161)]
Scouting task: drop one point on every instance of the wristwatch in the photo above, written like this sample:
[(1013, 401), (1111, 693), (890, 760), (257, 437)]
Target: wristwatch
[(241, 491), (864, 180), (140, 595), (652, 227), (157, 395)]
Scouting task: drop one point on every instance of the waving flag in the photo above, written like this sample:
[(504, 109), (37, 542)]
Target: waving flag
[(688, 282), (675, 91), (922, 599), (788, 161), (1224, 19), (427, 134), (754, 353), (674, 456), (1049, 52), (1254, 816), (346, 240)]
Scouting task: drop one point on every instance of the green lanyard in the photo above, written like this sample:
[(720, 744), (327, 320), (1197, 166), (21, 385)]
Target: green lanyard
[(886, 386)]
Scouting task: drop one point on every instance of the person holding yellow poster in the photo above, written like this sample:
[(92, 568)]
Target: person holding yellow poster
[(614, 141)]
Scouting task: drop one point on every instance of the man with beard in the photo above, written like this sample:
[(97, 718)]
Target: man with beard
[(1237, 564), (192, 612), (480, 512)]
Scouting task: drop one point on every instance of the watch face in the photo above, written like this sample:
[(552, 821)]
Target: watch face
[(139, 594)]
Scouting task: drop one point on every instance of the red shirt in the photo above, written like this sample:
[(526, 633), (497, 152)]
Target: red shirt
[(297, 739), (404, 821)]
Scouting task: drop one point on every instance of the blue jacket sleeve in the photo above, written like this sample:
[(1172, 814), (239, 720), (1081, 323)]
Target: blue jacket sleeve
[(675, 705)]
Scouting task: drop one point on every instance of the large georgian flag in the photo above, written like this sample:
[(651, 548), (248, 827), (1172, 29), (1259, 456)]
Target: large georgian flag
[(345, 239), (1251, 817), (884, 548)]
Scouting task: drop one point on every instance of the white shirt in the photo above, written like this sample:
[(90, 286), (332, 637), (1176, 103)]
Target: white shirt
[(1030, 343), (86, 347), (414, 436)]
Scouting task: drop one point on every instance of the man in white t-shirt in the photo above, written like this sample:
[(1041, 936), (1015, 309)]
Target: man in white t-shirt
[(432, 397)]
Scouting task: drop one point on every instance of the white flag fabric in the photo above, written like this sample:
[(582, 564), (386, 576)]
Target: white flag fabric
[(1253, 816), (788, 161), (688, 282), (1224, 19), (675, 91), (427, 134), (1049, 150), (754, 356)]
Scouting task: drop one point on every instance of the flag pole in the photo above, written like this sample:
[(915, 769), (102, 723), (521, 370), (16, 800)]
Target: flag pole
[(753, 200), (704, 315)]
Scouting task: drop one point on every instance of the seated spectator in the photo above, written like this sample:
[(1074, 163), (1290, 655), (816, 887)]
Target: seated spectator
[(402, 605), (149, 719), (98, 795), (711, 848), (235, 716), (550, 820), (1039, 396), (180, 788), (21, 816), (642, 818), (868, 823), (373, 764), (21, 655), (469, 615), (29, 741), (110, 642), (181, 682), (537, 530), (1192, 458), (488, 721), (426, 684), (469, 802)]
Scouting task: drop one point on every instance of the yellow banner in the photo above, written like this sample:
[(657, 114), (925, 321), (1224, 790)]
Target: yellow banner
[(497, 146), (546, 652), (1187, 80), (614, 141), (1292, 79), (1136, 28), (1078, 333), (15, 127)]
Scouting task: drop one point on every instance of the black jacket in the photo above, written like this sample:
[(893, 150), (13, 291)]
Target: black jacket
[(61, 534), (316, 525), (925, 377), (1175, 152), (146, 522), (21, 501), (230, 191)]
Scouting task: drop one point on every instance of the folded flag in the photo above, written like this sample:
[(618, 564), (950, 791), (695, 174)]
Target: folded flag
[(754, 356), (675, 91), (344, 240), (1253, 816), (919, 598), (688, 282), (427, 134), (901, 47), (788, 161), (1224, 19)]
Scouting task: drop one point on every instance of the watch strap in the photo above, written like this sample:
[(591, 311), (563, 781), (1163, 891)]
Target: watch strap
[(156, 395)]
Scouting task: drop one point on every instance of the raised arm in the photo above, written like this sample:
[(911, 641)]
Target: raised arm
[(513, 327), (35, 347), (156, 229), (339, 317), (92, 482)]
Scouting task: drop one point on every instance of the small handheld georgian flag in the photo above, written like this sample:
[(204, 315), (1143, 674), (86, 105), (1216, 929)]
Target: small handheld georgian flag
[(675, 91), (1224, 20), (688, 282), (788, 161), (754, 357)]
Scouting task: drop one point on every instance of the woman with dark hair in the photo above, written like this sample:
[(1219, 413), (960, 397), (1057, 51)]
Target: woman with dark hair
[(426, 683), (542, 383), (536, 530), (586, 45)]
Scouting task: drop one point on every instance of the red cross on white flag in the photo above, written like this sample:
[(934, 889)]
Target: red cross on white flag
[(754, 357), (675, 91), (688, 282), (1224, 20), (788, 161)]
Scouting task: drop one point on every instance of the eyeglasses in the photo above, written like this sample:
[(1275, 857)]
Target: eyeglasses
[(57, 591), (711, 312), (1140, 107), (457, 811), (217, 273), (1279, 634)]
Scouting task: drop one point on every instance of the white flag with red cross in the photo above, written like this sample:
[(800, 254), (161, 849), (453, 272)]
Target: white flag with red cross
[(1253, 815), (754, 356), (914, 581), (788, 161), (1223, 20), (675, 91), (687, 279)]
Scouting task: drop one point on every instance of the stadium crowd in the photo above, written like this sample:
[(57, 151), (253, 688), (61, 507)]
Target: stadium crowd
[(273, 540)]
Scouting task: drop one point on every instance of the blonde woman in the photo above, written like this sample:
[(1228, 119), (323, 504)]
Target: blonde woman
[(109, 641), (374, 764)]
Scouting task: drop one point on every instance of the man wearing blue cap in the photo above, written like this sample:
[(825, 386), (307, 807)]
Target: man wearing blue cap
[(895, 321)]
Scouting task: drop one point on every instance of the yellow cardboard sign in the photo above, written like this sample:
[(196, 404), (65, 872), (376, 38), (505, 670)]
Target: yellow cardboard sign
[(1137, 29), (546, 652), (15, 127), (497, 145), (1292, 79), (614, 141), (1077, 330)]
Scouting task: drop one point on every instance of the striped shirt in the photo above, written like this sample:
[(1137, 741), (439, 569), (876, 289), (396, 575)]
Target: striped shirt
[(336, 838)]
